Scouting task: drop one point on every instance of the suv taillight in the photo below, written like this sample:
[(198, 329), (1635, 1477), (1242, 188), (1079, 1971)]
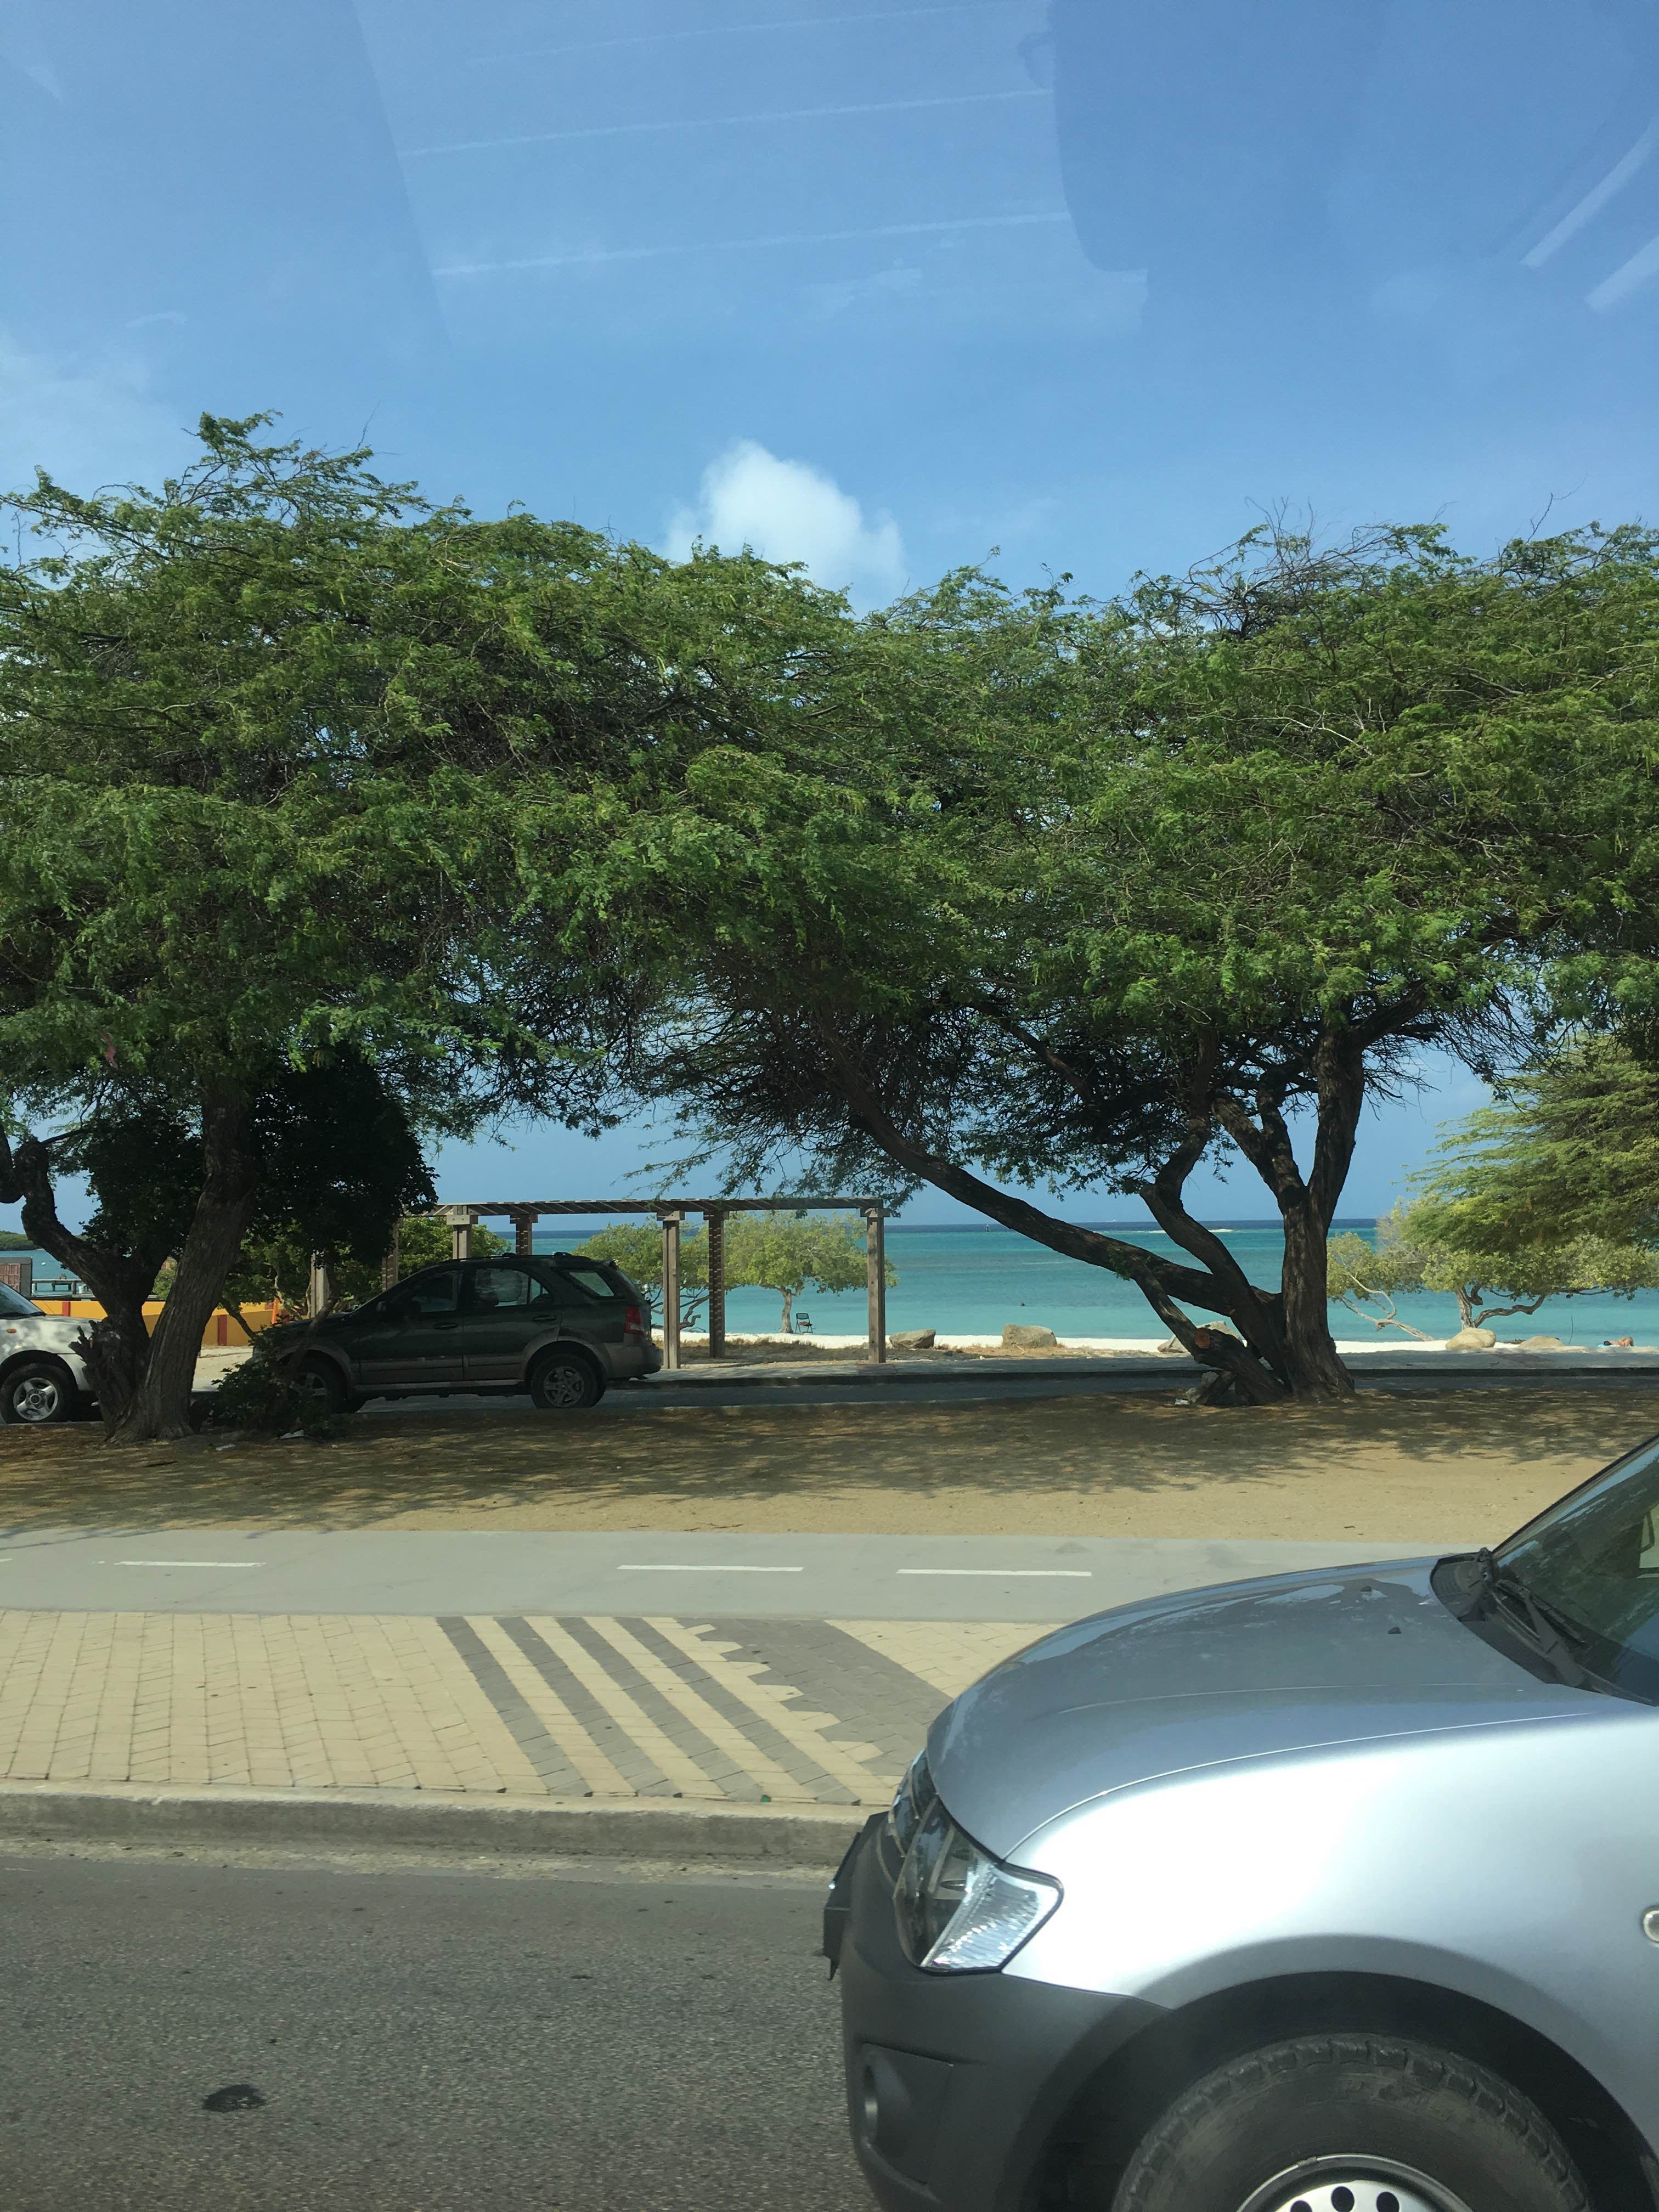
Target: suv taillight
[(634, 1321)]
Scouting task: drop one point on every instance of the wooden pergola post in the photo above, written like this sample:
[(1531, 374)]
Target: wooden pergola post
[(671, 1287), (524, 1230), (460, 1220), (716, 1222), (390, 1264), (876, 1276)]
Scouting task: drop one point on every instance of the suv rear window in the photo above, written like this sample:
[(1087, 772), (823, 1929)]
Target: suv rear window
[(586, 1276)]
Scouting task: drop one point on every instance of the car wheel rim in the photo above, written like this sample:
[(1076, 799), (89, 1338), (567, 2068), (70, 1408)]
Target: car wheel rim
[(314, 1386), (36, 1399), (1354, 2183), (563, 1387)]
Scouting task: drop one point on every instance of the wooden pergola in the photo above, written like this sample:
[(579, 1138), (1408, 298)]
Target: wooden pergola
[(523, 1214)]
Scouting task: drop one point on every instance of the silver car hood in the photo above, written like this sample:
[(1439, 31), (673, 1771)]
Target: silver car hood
[(1240, 1671)]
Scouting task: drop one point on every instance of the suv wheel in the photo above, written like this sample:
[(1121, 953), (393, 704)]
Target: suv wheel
[(564, 1383), (1351, 2123), (321, 1381), (37, 1391)]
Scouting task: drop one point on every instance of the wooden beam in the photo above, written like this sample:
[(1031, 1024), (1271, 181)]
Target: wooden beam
[(876, 1277), (671, 1287), (715, 1221)]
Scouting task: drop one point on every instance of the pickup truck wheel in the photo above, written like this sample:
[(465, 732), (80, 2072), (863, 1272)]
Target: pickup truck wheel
[(1351, 2123), (37, 1391), (564, 1383)]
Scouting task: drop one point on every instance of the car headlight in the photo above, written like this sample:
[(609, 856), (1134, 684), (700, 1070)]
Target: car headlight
[(910, 1803), (959, 1910)]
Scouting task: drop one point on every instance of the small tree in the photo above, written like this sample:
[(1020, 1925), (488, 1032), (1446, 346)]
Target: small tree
[(792, 1252), (1552, 1192), (1422, 1247), (635, 1246), (1365, 1278)]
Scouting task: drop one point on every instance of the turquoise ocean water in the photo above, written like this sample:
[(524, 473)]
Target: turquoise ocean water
[(968, 1281)]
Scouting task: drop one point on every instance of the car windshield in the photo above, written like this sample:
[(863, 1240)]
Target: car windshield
[(1593, 1560), (14, 1306)]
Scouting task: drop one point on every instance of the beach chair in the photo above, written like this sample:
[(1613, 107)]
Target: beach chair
[(803, 1324)]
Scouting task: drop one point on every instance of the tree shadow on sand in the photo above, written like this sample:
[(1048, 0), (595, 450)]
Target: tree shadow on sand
[(478, 1466)]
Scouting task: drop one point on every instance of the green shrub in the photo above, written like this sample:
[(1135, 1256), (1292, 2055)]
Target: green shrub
[(256, 1395)]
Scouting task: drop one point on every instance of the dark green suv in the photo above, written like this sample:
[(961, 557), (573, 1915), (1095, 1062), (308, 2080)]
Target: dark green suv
[(560, 1327)]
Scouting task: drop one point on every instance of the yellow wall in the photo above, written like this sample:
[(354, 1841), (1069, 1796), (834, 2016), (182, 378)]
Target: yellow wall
[(222, 1328)]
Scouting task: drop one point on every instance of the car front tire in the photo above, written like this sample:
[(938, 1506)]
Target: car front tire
[(37, 1392), (564, 1383), (1351, 2123)]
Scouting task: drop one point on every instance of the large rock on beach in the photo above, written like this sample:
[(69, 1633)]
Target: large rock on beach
[(1026, 1336), (912, 1340), (1472, 1339), (1542, 1344)]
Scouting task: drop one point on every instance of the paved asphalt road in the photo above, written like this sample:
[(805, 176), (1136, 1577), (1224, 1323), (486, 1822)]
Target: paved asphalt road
[(423, 2041), (437, 1571)]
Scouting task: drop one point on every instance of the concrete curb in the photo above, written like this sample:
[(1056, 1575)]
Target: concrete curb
[(800, 1836), (1176, 1370)]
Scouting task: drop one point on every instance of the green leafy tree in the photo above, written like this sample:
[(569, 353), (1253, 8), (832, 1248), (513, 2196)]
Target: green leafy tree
[(1367, 1276), (276, 1262), (1552, 1191), (1423, 1247), (635, 1246), (790, 1253), (1569, 1149), (286, 759), (1000, 891)]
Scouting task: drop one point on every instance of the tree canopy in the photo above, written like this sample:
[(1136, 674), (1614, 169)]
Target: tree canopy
[(284, 753), (790, 1253), (275, 1261), (991, 889), (1016, 889), (635, 1246), (1422, 1247)]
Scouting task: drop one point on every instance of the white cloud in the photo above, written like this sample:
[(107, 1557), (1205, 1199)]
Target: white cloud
[(790, 511), (88, 422)]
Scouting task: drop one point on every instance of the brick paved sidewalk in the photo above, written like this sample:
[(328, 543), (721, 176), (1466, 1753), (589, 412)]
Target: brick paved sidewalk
[(823, 1712)]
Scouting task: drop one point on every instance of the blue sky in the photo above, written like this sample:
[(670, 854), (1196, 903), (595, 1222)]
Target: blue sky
[(876, 287)]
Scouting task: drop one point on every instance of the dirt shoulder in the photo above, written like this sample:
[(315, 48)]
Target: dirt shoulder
[(1406, 1469)]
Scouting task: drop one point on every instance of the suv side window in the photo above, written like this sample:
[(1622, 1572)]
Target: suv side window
[(585, 1282), (507, 1288), (437, 1293)]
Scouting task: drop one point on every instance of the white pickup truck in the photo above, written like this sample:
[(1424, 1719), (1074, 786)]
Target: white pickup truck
[(41, 1378)]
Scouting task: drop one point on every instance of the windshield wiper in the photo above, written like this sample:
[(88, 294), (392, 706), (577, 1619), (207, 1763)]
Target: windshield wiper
[(1555, 1635)]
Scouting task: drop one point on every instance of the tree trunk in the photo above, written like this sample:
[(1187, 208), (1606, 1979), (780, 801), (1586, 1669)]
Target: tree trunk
[(788, 1323), (116, 1348), (1159, 1281), (1465, 1306), (1314, 1369), (161, 1407)]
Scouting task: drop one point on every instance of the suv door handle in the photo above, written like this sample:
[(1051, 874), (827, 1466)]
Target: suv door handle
[(446, 1324)]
